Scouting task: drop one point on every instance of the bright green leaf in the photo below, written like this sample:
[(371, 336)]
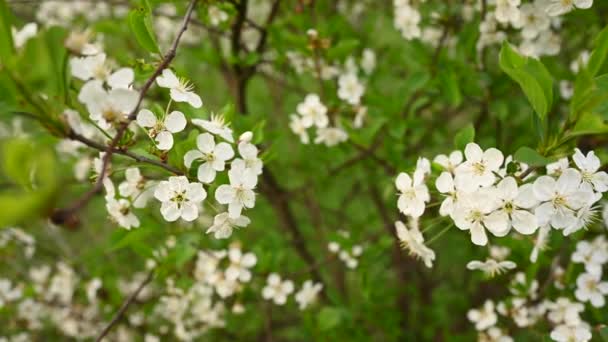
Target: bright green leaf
[(598, 56), (531, 157), (140, 23)]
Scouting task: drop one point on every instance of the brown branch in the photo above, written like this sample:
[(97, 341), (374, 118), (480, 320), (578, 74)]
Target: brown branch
[(60, 216), (125, 305)]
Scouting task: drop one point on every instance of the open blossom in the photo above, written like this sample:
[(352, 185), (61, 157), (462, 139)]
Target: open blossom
[(162, 130), (249, 157), (479, 168), (407, 20), (484, 317), (507, 11), (216, 15), (590, 288), (350, 89), (216, 126), (445, 185), (135, 187), (313, 112), (556, 168), (589, 166), (96, 67), (297, 126), (223, 225), (308, 294), (449, 163), (330, 136), (559, 7), (473, 213), (20, 37), (240, 263), (214, 157), (276, 289), (107, 107), (119, 208), (180, 89), (560, 198), (239, 193), (491, 267), (563, 310), (413, 194), (179, 198), (533, 20), (568, 333), (514, 204), (413, 241)]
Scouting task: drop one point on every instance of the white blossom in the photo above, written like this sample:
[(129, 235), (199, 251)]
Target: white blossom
[(214, 157), (162, 130), (179, 198), (276, 289), (180, 89)]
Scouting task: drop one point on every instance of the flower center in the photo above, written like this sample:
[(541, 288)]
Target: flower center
[(479, 168), (179, 198)]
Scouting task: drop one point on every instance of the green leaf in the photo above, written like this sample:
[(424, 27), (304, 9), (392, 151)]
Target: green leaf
[(451, 88), (329, 318), (141, 25), (604, 333), (598, 56), (532, 77), (464, 136), (531, 157), (344, 48), (7, 48)]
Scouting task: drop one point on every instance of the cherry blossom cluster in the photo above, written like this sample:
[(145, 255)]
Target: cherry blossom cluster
[(484, 192), (20, 239), (278, 291), (536, 23), (312, 112), (563, 305), (346, 255)]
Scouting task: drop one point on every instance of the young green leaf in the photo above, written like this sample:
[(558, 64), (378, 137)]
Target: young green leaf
[(140, 23), (7, 49), (531, 157), (531, 75), (598, 56)]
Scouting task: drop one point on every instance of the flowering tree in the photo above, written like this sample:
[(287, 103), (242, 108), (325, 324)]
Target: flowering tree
[(303, 170)]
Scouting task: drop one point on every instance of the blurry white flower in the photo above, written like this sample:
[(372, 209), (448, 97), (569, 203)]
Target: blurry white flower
[(28, 31), (223, 225), (276, 289), (96, 67), (491, 267), (308, 294), (484, 317), (590, 288), (215, 126)]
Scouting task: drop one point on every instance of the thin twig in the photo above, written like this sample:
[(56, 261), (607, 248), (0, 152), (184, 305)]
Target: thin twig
[(125, 305), (61, 215)]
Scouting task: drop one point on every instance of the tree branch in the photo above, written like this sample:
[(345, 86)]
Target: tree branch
[(62, 215)]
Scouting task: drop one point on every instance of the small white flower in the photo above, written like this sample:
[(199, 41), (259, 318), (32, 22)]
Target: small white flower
[(297, 126), (368, 61), (413, 194), (119, 209), (350, 89), (249, 157), (491, 267), (162, 130), (556, 168), (413, 241), (560, 198), (589, 166), (180, 89), (571, 333), (106, 107), (514, 204), (566, 89), (216, 15), (445, 185), (239, 194), (541, 241), (179, 198), (239, 265), (479, 168), (472, 213), (134, 187), (223, 225), (215, 126), (313, 112), (559, 7), (590, 288), (485, 317), (563, 310), (276, 289), (331, 136), (96, 67), (214, 157), (308, 294), (20, 37), (449, 163)]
